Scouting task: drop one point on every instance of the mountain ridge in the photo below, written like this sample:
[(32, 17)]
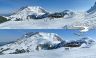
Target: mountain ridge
[(23, 12)]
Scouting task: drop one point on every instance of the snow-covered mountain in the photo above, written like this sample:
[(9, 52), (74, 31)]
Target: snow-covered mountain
[(25, 47), (88, 42), (68, 14), (86, 19), (32, 41), (25, 18), (84, 42), (24, 12), (63, 14), (36, 12)]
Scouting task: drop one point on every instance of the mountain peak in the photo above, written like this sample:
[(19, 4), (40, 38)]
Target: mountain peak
[(44, 35), (30, 7), (29, 34), (32, 40), (26, 11)]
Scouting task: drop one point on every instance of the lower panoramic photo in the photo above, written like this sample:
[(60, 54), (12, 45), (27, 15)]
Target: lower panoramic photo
[(47, 43)]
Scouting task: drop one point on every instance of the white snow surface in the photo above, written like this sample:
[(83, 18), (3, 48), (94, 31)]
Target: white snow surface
[(58, 53), (41, 37), (23, 12), (79, 19), (60, 23), (30, 43), (45, 23)]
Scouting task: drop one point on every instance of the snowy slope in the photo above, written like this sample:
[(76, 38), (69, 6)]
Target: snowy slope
[(23, 12), (45, 23), (84, 42), (79, 20), (59, 53), (30, 41), (87, 42), (57, 23)]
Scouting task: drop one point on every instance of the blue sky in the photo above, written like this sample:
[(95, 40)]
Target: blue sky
[(13, 34), (8, 6)]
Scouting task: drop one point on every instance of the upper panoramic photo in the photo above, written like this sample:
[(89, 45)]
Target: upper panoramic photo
[(48, 14)]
